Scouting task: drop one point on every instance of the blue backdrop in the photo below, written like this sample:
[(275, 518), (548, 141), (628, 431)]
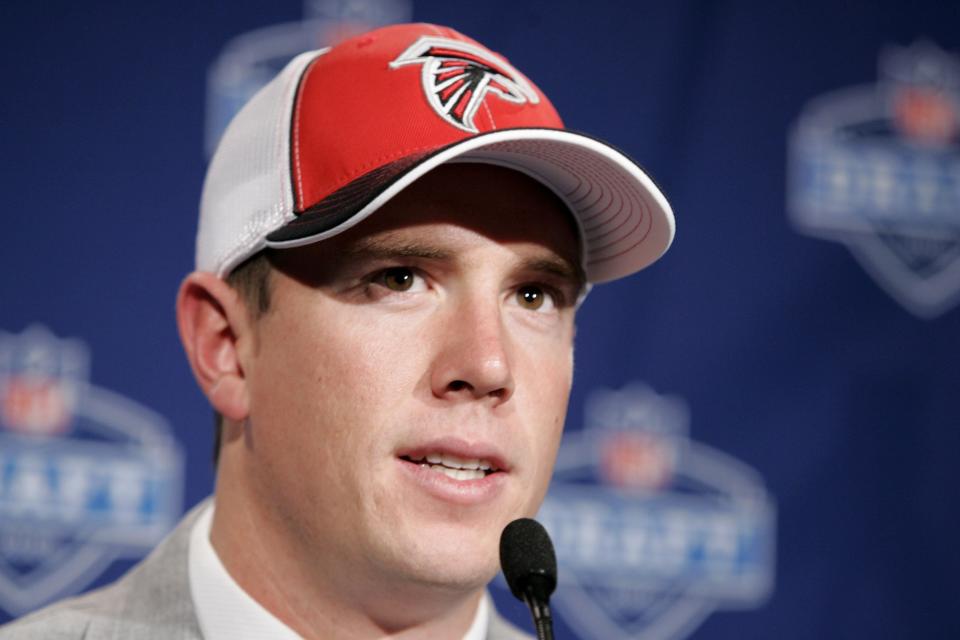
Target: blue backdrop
[(788, 352)]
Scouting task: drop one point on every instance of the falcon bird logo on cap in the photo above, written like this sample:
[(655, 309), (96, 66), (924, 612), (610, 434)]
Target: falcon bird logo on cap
[(457, 77)]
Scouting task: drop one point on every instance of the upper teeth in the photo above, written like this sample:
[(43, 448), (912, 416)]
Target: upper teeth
[(453, 462)]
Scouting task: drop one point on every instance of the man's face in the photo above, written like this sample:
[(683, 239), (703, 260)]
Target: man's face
[(409, 384)]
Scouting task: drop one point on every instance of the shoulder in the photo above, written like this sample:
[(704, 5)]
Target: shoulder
[(151, 601), (67, 619)]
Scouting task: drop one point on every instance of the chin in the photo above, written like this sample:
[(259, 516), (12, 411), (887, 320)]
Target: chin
[(453, 574), (451, 557)]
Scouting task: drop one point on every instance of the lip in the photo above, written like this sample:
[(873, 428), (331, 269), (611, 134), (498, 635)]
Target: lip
[(459, 492), (460, 449)]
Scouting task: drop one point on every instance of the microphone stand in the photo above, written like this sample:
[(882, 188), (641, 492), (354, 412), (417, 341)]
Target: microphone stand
[(539, 605), (540, 610)]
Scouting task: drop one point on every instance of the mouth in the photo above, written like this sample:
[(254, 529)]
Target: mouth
[(454, 467)]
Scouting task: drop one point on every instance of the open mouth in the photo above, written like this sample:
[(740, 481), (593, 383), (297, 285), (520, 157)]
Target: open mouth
[(454, 467)]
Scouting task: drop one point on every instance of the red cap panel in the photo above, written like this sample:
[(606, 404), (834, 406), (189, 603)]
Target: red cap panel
[(398, 91)]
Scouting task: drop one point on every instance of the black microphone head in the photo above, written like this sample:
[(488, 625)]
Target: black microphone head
[(527, 559)]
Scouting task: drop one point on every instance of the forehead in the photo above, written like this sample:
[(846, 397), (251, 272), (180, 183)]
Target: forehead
[(500, 204)]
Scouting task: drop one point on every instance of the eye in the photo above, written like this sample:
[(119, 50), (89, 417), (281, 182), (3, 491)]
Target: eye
[(534, 298), (399, 279)]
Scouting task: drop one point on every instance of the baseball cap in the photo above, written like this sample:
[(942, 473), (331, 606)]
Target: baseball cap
[(342, 130)]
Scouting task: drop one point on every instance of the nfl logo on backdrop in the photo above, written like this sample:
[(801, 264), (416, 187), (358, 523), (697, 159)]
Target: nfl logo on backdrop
[(86, 476), (877, 168), (653, 531)]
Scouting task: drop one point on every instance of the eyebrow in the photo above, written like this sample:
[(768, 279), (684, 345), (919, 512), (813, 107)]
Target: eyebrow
[(385, 248)]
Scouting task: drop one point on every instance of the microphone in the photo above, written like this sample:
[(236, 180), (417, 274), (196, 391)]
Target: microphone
[(530, 567)]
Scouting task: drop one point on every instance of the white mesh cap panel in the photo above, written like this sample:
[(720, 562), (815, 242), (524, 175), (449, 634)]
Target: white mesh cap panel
[(247, 192)]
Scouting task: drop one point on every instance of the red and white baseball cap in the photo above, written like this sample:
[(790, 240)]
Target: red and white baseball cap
[(340, 131)]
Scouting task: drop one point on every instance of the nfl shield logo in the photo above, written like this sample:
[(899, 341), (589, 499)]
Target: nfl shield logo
[(653, 531), (39, 381), (877, 168), (86, 476)]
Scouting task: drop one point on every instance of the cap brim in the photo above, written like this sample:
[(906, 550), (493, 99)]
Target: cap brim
[(625, 220)]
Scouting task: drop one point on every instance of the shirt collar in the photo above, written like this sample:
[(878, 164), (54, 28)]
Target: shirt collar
[(226, 612)]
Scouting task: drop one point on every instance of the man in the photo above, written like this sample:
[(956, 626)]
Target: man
[(394, 237)]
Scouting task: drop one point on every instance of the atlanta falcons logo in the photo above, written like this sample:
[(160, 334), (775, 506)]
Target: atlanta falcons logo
[(458, 76)]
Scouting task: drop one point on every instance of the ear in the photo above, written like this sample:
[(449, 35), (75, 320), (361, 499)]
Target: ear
[(213, 322)]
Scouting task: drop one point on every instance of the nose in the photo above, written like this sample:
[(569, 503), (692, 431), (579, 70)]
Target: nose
[(472, 361)]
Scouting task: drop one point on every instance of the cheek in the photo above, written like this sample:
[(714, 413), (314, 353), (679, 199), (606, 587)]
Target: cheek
[(548, 390), (324, 404), (334, 375), (548, 375)]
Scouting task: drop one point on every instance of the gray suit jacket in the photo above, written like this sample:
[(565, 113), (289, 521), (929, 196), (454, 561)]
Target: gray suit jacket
[(151, 602)]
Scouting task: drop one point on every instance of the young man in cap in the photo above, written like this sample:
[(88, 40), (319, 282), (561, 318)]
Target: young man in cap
[(394, 236)]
